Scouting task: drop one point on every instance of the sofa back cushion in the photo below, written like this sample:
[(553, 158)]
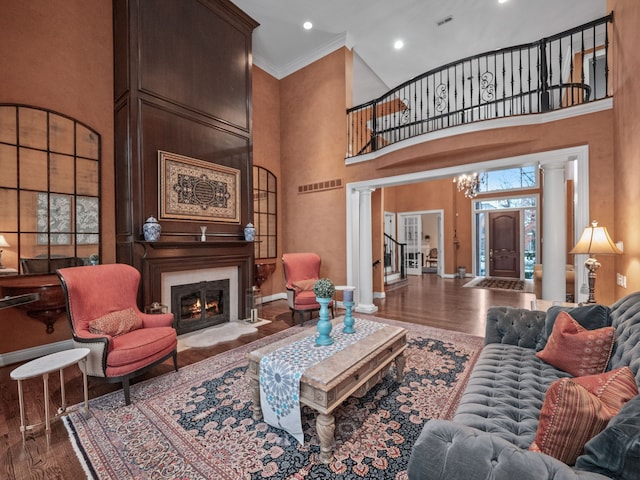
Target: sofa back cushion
[(625, 318), (615, 452), (590, 317), (514, 326)]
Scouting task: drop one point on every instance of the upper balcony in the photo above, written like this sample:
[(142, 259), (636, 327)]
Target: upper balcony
[(567, 69)]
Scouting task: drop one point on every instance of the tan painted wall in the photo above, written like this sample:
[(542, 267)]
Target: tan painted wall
[(266, 146), (59, 55), (626, 139), (313, 132)]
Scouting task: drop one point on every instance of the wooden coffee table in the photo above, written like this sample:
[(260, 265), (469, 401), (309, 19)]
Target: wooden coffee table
[(351, 371)]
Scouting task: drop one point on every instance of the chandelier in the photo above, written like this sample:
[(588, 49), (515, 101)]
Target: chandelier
[(469, 184)]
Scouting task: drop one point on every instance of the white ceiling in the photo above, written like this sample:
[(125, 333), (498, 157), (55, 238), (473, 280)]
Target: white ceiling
[(281, 46)]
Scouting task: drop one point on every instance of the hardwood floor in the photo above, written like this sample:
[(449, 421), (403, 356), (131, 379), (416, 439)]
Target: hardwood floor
[(427, 300)]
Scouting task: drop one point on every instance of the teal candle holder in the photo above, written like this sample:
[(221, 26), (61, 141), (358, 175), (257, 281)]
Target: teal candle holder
[(348, 321), (324, 324)]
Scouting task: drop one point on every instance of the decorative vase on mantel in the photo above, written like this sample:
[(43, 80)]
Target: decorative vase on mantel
[(249, 232), (324, 290), (151, 230)]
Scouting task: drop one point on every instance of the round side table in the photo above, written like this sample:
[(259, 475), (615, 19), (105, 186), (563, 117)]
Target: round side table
[(43, 366)]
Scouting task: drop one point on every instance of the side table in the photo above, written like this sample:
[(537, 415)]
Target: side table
[(43, 366)]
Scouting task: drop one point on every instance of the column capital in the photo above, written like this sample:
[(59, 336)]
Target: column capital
[(366, 190), (555, 161)]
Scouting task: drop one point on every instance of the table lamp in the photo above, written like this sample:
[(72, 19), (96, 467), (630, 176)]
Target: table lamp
[(595, 240), (3, 243)]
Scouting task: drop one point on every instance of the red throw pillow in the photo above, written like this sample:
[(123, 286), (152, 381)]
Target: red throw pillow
[(569, 418), (304, 285), (614, 388), (116, 323), (576, 350)]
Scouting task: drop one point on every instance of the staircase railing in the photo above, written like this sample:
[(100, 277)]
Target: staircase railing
[(391, 249), (564, 70)]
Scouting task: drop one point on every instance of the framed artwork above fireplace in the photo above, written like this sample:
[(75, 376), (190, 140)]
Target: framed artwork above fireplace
[(192, 189)]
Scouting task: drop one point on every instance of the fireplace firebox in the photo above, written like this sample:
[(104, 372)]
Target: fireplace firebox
[(200, 305)]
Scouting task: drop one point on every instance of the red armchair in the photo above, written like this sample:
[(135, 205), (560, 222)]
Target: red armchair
[(301, 270), (104, 317)]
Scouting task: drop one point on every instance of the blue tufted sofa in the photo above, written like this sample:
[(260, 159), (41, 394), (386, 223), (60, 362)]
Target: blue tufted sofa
[(497, 417)]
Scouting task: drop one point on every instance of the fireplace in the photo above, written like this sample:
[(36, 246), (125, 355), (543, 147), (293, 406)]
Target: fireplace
[(217, 287), (200, 305)]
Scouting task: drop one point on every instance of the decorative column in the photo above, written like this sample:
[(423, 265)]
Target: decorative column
[(365, 260), (554, 231)]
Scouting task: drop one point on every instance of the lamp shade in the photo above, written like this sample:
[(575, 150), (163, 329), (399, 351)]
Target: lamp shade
[(3, 242), (595, 240)]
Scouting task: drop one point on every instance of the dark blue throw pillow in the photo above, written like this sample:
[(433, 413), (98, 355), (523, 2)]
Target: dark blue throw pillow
[(615, 452), (590, 317)]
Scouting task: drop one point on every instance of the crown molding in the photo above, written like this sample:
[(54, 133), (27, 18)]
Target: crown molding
[(341, 40)]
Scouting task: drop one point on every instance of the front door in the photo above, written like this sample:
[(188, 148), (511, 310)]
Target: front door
[(504, 244)]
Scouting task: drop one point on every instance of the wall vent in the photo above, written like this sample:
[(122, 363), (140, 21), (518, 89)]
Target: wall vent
[(320, 186)]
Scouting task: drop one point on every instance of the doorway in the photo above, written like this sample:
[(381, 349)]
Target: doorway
[(422, 233), (512, 241), (504, 244), (431, 244)]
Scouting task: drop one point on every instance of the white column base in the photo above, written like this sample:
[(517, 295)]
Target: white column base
[(366, 308)]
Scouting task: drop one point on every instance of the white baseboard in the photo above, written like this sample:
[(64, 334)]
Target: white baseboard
[(34, 352), (393, 276), (275, 296), (454, 275)]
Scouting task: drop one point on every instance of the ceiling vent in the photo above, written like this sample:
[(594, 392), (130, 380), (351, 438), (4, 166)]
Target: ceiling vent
[(320, 186), (444, 20)]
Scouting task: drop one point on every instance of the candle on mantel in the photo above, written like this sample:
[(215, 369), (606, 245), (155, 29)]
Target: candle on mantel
[(347, 295)]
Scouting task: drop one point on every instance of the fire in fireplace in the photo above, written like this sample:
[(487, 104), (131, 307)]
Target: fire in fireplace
[(200, 305)]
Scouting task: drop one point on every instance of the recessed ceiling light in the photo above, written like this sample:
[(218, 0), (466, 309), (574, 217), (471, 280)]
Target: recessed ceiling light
[(307, 25), (398, 44), (503, 1)]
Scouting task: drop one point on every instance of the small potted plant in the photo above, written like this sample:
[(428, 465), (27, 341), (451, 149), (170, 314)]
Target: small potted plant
[(324, 290)]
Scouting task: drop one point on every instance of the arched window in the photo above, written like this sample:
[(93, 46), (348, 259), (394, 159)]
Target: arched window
[(265, 213), (49, 189)]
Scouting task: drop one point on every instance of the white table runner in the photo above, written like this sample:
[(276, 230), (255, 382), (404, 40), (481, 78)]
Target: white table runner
[(281, 370)]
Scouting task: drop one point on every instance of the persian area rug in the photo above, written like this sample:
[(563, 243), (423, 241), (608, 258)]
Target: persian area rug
[(525, 286), (197, 423)]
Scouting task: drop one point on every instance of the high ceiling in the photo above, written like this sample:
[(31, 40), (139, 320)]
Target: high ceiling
[(281, 45)]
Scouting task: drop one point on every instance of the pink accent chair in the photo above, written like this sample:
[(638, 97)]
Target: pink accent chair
[(94, 291), (301, 270)]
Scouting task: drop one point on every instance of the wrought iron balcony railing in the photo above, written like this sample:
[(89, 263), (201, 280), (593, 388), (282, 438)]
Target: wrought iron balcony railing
[(567, 69)]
